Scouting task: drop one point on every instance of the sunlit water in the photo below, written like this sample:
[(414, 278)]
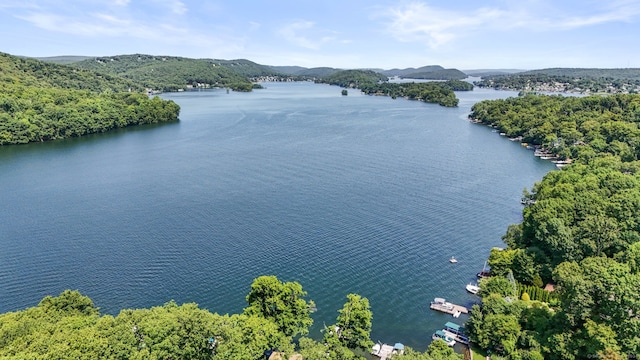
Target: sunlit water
[(344, 194)]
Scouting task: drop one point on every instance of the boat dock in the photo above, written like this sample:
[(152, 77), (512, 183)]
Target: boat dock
[(456, 332), (384, 351), (440, 304)]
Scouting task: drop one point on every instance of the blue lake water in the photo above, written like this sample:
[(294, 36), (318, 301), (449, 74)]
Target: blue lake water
[(344, 194)]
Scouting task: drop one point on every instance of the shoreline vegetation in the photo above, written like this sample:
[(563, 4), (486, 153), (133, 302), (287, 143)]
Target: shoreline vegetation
[(42, 102), (566, 285), (372, 83)]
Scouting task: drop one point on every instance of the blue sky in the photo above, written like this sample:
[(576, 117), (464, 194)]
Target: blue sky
[(463, 34)]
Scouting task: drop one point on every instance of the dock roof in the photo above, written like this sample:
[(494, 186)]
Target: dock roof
[(453, 326)]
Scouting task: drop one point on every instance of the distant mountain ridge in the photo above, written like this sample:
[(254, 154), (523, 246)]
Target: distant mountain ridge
[(306, 72), (63, 59), (619, 73), (171, 73), (429, 72)]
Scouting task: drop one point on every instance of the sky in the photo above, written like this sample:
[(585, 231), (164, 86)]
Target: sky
[(346, 34)]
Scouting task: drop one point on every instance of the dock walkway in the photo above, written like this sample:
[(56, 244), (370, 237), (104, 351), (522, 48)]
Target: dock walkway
[(440, 304)]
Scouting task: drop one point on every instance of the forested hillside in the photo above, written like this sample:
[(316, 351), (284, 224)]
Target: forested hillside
[(43, 101), (31, 72), (247, 68), (431, 72), (584, 81), (70, 326), (594, 73), (170, 73), (580, 233), (374, 83)]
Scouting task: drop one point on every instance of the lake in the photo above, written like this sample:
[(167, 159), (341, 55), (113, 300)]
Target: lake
[(344, 194)]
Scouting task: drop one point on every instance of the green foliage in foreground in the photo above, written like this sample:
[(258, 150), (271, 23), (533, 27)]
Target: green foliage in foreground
[(69, 326), (168, 73), (281, 303)]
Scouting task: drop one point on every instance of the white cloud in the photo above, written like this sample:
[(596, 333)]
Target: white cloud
[(178, 7), (419, 22), (253, 25), (97, 25), (422, 23), (292, 33)]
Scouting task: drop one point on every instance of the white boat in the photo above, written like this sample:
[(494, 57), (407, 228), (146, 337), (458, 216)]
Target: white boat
[(453, 260), (473, 288)]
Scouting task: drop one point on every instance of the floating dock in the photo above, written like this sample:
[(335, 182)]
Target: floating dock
[(440, 304)]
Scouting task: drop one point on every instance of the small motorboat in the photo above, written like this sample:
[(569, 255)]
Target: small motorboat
[(453, 260), (473, 288)]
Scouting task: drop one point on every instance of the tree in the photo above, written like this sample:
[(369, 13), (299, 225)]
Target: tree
[(496, 285), (500, 261), (69, 302), (502, 332), (354, 323), (280, 302)]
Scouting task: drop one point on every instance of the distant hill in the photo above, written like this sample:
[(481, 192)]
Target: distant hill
[(247, 68), (288, 70), (64, 59), (300, 71), (592, 73), (491, 72), (31, 72), (170, 73), (583, 81), (353, 78), (431, 72), (407, 71)]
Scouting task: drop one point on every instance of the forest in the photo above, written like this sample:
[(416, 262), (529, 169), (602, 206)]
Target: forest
[(372, 83), (579, 237), (583, 82), (276, 319), (441, 93), (42, 101), (170, 73)]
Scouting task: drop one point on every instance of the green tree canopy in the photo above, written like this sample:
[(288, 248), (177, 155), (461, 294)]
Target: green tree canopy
[(354, 323), (280, 302)]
